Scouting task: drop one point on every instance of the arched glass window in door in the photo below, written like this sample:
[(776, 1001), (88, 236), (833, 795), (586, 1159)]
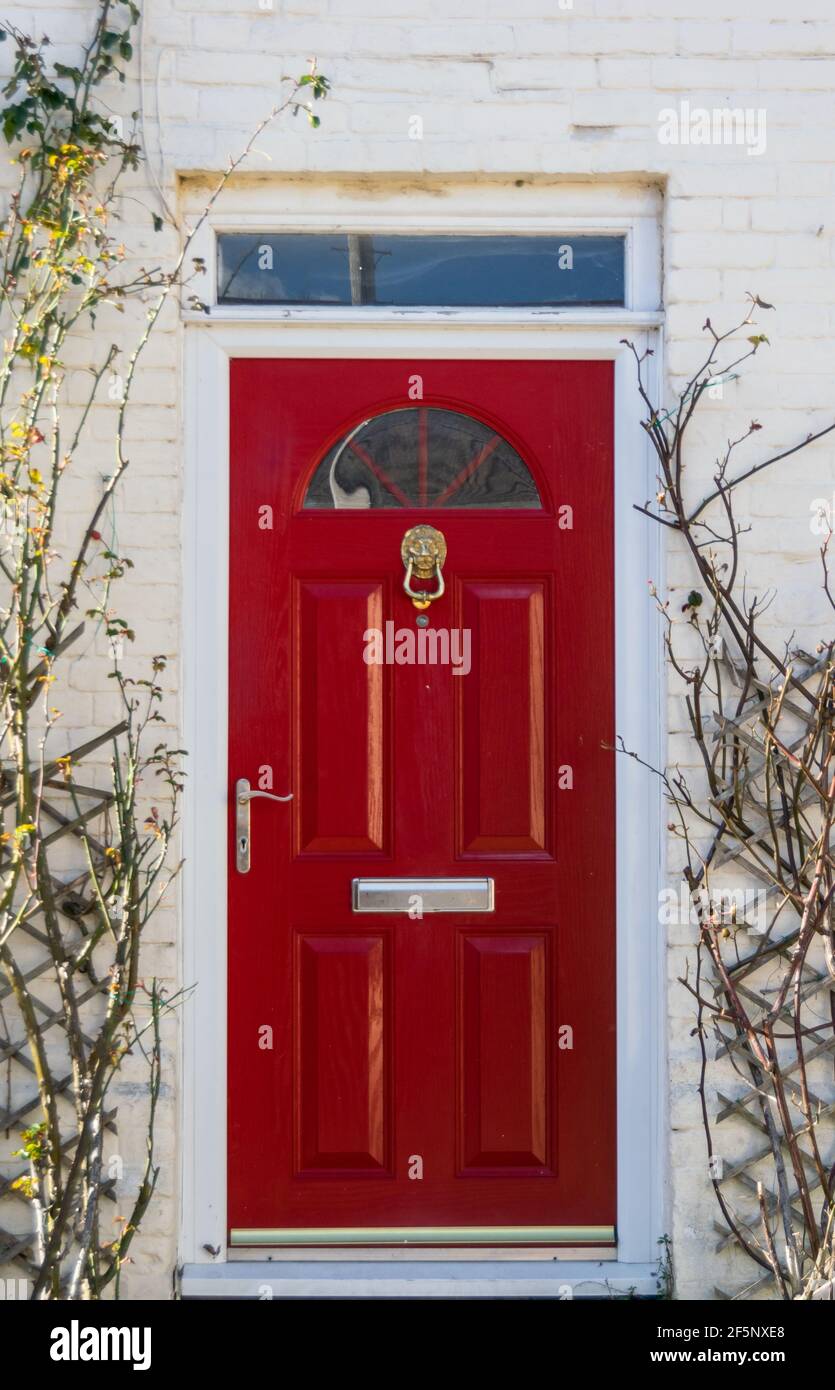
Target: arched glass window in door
[(424, 458)]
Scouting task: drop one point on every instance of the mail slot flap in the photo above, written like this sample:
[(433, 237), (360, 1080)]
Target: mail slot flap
[(421, 895)]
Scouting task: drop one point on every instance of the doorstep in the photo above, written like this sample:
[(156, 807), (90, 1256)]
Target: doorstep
[(449, 1278)]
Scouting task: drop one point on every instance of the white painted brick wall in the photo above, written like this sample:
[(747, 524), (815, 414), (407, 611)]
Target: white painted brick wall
[(521, 87)]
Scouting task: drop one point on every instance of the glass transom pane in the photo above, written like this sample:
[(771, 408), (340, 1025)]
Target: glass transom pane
[(425, 458), (410, 271)]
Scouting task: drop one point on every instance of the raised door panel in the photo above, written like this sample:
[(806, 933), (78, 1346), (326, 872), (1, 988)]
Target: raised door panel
[(503, 1085), (343, 1072), (340, 720), (502, 714)]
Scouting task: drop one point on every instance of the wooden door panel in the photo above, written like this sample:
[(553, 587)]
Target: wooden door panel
[(341, 798), (503, 774), (343, 1071), (506, 1114)]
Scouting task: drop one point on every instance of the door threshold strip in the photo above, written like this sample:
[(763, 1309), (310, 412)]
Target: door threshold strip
[(424, 1235)]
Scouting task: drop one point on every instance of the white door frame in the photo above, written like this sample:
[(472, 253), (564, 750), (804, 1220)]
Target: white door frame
[(210, 342)]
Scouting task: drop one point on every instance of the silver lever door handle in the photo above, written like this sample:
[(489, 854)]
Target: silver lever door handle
[(243, 796)]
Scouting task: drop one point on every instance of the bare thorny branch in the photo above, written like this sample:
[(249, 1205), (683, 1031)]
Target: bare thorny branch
[(762, 724)]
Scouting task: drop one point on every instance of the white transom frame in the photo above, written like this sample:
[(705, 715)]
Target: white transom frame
[(436, 207)]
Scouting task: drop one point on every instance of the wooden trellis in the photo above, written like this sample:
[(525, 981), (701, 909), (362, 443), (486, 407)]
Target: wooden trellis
[(19, 1082), (737, 1177)]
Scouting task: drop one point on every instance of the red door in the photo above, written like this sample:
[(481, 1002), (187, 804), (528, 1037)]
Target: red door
[(412, 1074)]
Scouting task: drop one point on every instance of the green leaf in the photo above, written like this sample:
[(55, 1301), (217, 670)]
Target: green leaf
[(14, 119)]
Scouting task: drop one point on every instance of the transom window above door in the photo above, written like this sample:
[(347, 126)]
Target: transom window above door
[(422, 457), (420, 271)]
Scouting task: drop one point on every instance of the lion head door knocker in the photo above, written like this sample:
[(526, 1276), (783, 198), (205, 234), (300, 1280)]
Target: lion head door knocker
[(423, 550)]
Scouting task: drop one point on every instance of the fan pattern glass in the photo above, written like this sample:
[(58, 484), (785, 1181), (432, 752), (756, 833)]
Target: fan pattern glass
[(422, 458)]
